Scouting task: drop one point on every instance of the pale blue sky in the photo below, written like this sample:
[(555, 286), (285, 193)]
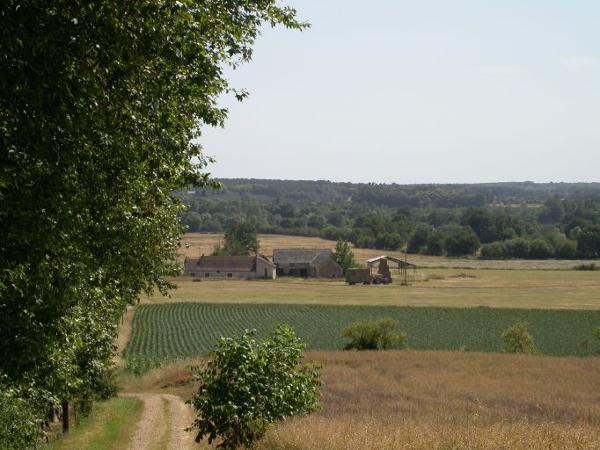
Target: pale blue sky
[(420, 92)]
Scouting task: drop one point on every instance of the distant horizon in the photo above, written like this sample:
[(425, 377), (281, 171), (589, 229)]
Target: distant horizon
[(430, 92), (410, 184)]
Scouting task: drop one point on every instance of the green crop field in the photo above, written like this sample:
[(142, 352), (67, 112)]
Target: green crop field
[(179, 330)]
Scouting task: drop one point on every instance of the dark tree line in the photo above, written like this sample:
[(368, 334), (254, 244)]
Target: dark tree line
[(504, 220)]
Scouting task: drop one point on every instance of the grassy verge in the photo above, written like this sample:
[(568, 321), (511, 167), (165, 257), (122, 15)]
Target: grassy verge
[(110, 426)]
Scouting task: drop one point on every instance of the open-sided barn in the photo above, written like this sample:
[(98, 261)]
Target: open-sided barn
[(314, 263), (244, 267)]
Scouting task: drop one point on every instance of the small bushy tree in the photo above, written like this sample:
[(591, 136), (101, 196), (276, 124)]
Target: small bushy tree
[(374, 335), (588, 242), (517, 339), (517, 248), (566, 249), (435, 244), (344, 255), (597, 333), (240, 240), (461, 242), (250, 384), (493, 250), (419, 239)]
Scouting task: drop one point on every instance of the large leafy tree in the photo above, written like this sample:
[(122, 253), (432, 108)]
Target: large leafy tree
[(588, 242), (101, 106), (240, 240)]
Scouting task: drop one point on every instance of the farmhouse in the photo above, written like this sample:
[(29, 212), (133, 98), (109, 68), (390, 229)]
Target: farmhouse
[(314, 263), (240, 267)]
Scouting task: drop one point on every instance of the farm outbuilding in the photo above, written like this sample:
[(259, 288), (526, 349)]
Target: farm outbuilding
[(239, 267), (312, 263), (381, 262)]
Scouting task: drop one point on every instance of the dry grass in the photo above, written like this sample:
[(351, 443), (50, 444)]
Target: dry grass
[(124, 334), (175, 378), (434, 287), (196, 244), (368, 432), (450, 400), (125, 328), (436, 400)]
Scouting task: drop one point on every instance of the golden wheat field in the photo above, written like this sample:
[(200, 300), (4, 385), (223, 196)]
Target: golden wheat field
[(196, 244), (435, 400)]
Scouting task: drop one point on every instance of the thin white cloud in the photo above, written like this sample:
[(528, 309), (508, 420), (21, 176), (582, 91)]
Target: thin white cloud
[(580, 62), (499, 69)]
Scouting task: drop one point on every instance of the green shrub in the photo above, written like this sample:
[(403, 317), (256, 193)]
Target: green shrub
[(19, 425), (250, 384), (540, 249), (588, 242), (517, 339), (517, 248), (566, 250), (461, 242), (344, 255), (597, 333), (374, 335), (493, 250), (435, 244), (590, 267)]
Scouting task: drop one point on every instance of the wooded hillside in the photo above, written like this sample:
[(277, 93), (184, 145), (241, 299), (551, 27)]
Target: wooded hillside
[(528, 219)]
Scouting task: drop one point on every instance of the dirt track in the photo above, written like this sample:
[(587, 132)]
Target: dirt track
[(163, 423)]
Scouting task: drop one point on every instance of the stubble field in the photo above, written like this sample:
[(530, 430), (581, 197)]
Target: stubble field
[(433, 287)]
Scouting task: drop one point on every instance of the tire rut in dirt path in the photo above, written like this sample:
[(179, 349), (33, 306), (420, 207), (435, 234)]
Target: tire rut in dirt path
[(163, 422)]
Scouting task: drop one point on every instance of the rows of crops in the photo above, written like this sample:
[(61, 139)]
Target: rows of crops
[(170, 331)]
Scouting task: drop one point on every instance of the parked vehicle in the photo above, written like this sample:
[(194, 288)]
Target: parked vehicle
[(363, 276)]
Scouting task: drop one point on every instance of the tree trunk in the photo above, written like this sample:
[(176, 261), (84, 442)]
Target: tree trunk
[(65, 416), (52, 415)]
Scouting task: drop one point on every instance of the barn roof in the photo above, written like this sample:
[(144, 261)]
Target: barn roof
[(225, 263), (300, 255), (400, 262)]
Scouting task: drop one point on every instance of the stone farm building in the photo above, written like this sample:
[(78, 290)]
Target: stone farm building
[(240, 267), (314, 263)]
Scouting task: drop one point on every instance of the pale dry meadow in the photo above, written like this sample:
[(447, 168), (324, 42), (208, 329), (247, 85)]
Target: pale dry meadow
[(565, 289), (434, 400)]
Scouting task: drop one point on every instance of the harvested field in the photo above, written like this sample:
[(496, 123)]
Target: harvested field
[(433, 287)]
